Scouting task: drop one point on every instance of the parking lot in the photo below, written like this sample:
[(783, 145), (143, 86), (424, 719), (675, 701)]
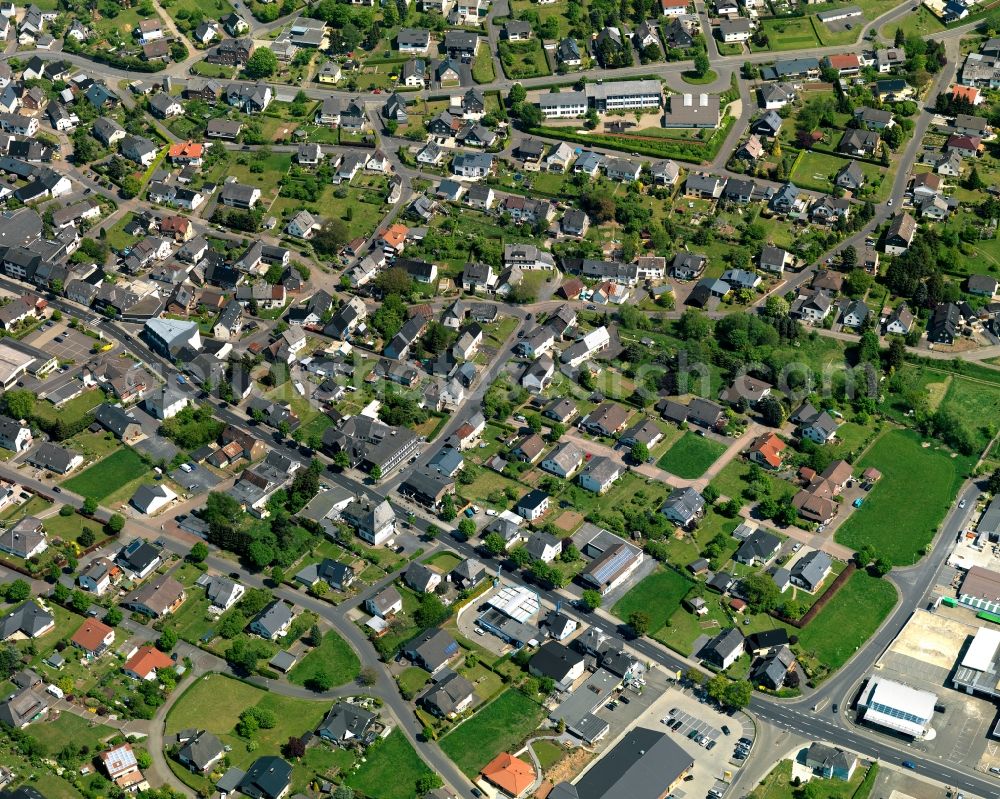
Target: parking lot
[(198, 480), (659, 699), (71, 346)]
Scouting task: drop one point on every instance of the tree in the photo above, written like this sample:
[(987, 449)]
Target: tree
[(113, 617), (467, 527), (331, 237), (376, 473), (517, 95), (116, 523), (262, 64), (494, 544), (882, 566), (86, 537), (367, 677), (591, 599), (17, 591), (772, 411), (761, 591), (895, 355), (19, 404), (530, 114), (900, 38), (427, 782), (294, 748), (343, 792), (738, 694), (198, 552), (701, 64), (315, 635), (448, 512), (639, 452), (320, 681), (639, 622), (89, 506), (864, 555), (167, 640), (975, 180), (431, 611), (130, 186), (432, 532)]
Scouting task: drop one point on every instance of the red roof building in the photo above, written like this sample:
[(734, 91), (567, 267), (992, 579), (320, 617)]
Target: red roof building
[(93, 637), (765, 450), (510, 774), (145, 662)]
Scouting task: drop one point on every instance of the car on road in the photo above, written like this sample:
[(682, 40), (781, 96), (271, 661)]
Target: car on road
[(57, 489), (725, 730), (961, 504), (591, 307), (234, 575), (889, 203), (910, 765), (835, 707), (994, 769)]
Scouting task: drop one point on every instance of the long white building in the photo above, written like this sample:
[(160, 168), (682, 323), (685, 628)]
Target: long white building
[(899, 707), (624, 95)]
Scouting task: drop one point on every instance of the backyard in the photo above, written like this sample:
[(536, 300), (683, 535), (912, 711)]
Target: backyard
[(890, 521)]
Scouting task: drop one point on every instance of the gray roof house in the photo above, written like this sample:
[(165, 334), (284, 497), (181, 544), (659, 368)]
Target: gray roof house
[(760, 547), (683, 506), (811, 569), (449, 696), (273, 621), (432, 649), (345, 724), (724, 649)]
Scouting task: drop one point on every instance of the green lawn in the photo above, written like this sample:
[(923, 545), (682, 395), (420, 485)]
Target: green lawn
[(815, 170), (32, 507), (659, 595), (548, 753), (391, 769), (69, 728), (68, 528), (108, 476), (849, 620), (444, 562), (795, 33), (891, 520), (70, 411), (334, 656), (498, 727), (691, 456)]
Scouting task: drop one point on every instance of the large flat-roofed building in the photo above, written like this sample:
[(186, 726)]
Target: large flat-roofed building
[(644, 764), (979, 670), (692, 111), (624, 95), (898, 707), (14, 363), (981, 589), (577, 710)]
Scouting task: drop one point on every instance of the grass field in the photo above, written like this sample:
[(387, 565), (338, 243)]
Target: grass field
[(498, 727), (523, 59), (391, 769), (107, 477), (795, 33), (691, 456), (849, 620), (215, 702), (921, 23), (659, 595), (69, 728), (890, 520), (69, 411), (815, 170), (334, 656), (548, 753)]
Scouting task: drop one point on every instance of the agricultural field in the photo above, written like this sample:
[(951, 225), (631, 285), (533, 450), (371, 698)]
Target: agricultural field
[(890, 521)]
